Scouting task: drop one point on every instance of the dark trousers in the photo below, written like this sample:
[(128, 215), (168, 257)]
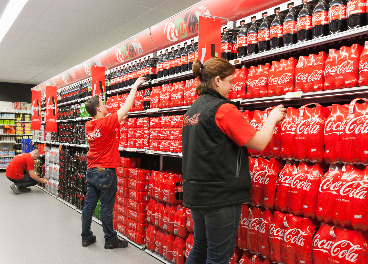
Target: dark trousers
[(215, 233), (103, 185), (26, 181)]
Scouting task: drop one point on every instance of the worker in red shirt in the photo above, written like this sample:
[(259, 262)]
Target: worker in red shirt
[(21, 171), (102, 159)]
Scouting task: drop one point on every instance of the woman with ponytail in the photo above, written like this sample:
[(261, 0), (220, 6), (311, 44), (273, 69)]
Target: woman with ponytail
[(216, 179)]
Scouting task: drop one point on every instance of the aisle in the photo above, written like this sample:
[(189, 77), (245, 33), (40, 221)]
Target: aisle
[(35, 228)]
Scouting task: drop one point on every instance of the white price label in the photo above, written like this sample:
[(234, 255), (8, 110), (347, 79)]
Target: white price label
[(149, 151), (153, 110), (351, 109), (290, 95), (131, 149)]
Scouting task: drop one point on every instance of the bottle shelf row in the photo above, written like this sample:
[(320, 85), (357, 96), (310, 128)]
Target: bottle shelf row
[(7, 142), (74, 119), (73, 101), (23, 121), (6, 125), (6, 156), (142, 247), (303, 45), (16, 111)]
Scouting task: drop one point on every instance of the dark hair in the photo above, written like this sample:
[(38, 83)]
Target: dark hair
[(92, 104), (208, 71)]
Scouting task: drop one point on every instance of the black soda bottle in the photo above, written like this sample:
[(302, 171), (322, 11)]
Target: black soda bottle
[(242, 40), (356, 13), (289, 27), (191, 55), (184, 58), (178, 60), (166, 63), (172, 61), (264, 34), (226, 46), (234, 46), (252, 37), (276, 31), (160, 66), (304, 23), (320, 19), (337, 16)]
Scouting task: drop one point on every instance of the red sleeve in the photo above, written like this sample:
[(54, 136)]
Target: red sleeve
[(234, 124), (111, 122), (30, 163)]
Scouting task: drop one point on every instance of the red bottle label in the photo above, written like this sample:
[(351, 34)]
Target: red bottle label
[(337, 13), (184, 59), (178, 61), (320, 18), (276, 32), (264, 35), (356, 7), (159, 67), (225, 47), (191, 57), (196, 55), (242, 41), (304, 23), (235, 48), (252, 38), (289, 27), (166, 65)]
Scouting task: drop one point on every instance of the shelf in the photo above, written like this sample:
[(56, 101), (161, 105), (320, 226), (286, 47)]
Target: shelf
[(6, 156), (303, 45), (16, 111), (2, 168), (128, 88), (74, 119), (6, 125), (160, 110), (173, 77), (23, 121), (8, 134), (157, 256), (7, 142), (75, 101), (74, 145), (152, 152), (7, 118)]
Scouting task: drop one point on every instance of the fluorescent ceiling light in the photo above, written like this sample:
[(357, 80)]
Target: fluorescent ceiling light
[(11, 12)]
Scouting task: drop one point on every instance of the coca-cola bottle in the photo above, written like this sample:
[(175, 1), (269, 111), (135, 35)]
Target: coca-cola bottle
[(242, 41), (276, 31), (289, 27), (226, 46), (304, 24), (172, 61), (184, 58), (356, 13), (234, 47), (166, 63), (191, 55), (159, 66), (178, 60), (320, 19), (337, 16), (252, 37), (264, 34)]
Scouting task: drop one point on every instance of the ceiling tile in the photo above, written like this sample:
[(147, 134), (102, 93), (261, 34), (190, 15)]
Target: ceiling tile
[(24, 22), (144, 3), (9, 41), (41, 2), (33, 10), (16, 32), (174, 6)]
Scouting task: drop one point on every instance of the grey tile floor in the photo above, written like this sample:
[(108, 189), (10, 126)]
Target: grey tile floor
[(35, 228)]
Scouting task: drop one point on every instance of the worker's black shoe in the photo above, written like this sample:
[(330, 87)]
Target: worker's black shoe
[(25, 189), (89, 242), (15, 189), (117, 244)]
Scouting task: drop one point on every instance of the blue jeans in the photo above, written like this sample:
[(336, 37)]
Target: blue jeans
[(215, 233), (25, 182), (103, 185)]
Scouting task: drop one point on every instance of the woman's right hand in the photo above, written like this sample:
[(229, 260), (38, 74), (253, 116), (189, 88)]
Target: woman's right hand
[(278, 113), (139, 81)]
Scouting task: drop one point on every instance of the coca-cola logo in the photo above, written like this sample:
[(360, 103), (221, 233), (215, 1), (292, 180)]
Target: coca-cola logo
[(304, 23), (363, 66), (355, 7), (337, 12), (356, 125), (320, 18), (242, 41), (288, 127), (285, 78), (259, 82), (264, 34), (260, 177), (275, 31), (289, 27), (276, 233), (346, 66), (298, 181), (252, 38), (308, 126), (342, 249), (34, 109), (333, 127), (295, 236)]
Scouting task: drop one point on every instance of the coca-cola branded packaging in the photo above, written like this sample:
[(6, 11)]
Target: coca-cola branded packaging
[(333, 129), (288, 128), (304, 23), (276, 236), (178, 60), (257, 122), (263, 233), (243, 227), (356, 13), (252, 37), (281, 78), (226, 46), (255, 220), (342, 67), (189, 245), (242, 41), (309, 133), (275, 143), (178, 250), (283, 186), (257, 81), (264, 35), (337, 16), (289, 27), (352, 128), (334, 244), (239, 84), (184, 58), (276, 31), (363, 66), (309, 73), (320, 21)]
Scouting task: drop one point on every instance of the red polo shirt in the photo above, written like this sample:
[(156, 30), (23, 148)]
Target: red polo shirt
[(103, 144), (19, 165)]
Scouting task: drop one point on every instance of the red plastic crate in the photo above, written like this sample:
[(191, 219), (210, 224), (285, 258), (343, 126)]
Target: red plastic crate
[(134, 236), (121, 219), (121, 228), (141, 197), (122, 210), (139, 217), (120, 200), (140, 186), (135, 226), (136, 206)]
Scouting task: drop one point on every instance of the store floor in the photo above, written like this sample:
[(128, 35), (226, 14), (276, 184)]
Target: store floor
[(35, 228)]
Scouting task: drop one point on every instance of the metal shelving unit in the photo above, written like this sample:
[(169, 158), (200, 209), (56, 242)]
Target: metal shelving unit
[(152, 152)]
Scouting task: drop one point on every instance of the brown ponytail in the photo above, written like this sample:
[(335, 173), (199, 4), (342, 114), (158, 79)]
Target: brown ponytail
[(207, 72)]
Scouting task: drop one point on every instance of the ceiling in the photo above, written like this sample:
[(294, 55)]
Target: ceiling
[(51, 36)]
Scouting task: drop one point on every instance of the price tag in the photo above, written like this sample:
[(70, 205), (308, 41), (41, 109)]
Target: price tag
[(131, 149), (153, 110), (150, 151), (155, 81), (236, 61), (290, 95)]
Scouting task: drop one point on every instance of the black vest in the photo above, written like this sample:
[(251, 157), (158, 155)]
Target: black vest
[(215, 169)]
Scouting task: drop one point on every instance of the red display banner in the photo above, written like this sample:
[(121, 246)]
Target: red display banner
[(51, 108), (209, 38), (98, 82), (36, 110)]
